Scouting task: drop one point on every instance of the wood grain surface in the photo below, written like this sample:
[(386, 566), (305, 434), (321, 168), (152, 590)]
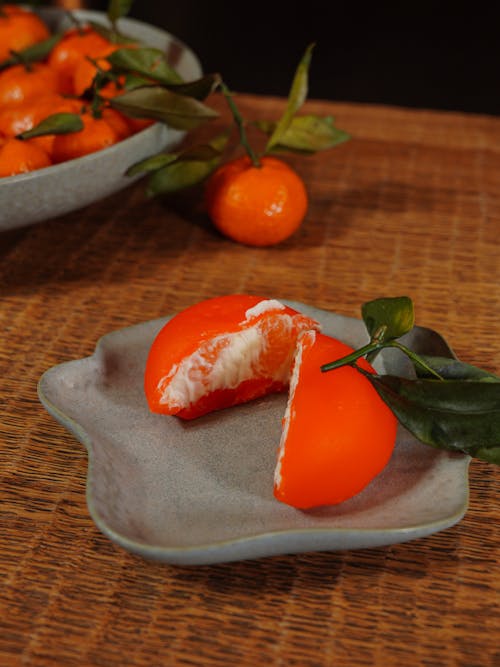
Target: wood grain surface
[(411, 205)]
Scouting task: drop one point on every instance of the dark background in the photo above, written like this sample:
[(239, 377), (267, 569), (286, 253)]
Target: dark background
[(436, 55)]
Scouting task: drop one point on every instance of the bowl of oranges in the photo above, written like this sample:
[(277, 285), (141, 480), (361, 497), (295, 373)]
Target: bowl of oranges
[(83, 96)]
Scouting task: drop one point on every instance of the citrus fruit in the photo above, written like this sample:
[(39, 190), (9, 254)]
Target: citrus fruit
[(95, 135), (17, 157), (85, 70), (19, 28), (222, 352), (19, 83), (22, 117), (118, 122), (256, 206), (337, 435), (75, 47)]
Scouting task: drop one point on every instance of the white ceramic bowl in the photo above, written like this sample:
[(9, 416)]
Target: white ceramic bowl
[(46, 193)]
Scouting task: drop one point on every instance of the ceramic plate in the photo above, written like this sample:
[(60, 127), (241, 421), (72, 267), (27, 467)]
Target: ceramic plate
[(202, 492)]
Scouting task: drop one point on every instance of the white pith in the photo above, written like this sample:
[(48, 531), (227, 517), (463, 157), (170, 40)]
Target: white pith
[(294, 379), (263, 306), (237, 359)]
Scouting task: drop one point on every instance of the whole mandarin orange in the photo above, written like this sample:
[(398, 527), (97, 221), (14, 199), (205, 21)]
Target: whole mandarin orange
[(17, 157), (20, 83), (256, 205), (19, 28), (75, 47), (95, 135)]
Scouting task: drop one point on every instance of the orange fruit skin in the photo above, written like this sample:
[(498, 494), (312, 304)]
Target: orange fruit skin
[(17, 157), (73, 48), (256, 206), (118, 122), (19, 28), (185, 333), (338, 434), (95, 135), (19, 84), (22, 117)]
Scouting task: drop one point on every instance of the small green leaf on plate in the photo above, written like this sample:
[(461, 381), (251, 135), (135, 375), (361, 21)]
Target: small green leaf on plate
[(158, 103), (452, 415), (453, 369), (388, 318), (58, 123), (147, 61)]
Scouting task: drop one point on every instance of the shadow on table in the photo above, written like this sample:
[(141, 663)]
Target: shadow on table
[(85, 245)]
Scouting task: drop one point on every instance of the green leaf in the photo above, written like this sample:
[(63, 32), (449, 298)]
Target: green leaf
[(112, 34), (179, 175), (388, 318), (199, 88), (306, 134), (452, 415), (152, 163), (296, 98), (34, 53), (189, 168), (147, 61), (58, 123), (453, 369), (158, 103), (118, 8)]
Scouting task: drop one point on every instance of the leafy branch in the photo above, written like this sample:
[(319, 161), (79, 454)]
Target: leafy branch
[(448, 404), (291, 133)]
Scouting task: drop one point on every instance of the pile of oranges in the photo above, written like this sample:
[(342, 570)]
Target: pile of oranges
[(29, 93)]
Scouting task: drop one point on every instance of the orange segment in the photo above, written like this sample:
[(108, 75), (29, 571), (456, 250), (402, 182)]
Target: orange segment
[(222, 352), (337, 435)]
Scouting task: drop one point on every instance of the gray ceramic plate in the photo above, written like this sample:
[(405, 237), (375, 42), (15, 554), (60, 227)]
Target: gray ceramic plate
[(46, 193), (201, 492)]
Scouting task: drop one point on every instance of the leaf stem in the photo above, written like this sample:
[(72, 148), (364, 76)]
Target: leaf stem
[(349, 359), (240, 124), (414, 357)]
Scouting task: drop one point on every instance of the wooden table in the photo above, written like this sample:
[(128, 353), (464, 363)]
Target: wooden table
[(411, 205)]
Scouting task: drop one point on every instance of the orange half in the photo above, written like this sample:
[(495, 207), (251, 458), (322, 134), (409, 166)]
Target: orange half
[(222, 352), (338, 434)]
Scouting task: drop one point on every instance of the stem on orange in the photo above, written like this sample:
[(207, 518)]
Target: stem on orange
[(240, 124)]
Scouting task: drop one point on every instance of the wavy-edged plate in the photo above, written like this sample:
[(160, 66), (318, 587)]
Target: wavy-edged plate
[(201, 492)]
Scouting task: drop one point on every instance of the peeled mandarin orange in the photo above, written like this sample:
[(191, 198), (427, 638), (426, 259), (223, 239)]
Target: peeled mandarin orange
[(256, 206), (222, 352), (338, 434)]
